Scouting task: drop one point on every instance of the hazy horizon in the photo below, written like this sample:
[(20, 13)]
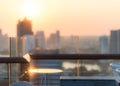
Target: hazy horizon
[(79, 17)]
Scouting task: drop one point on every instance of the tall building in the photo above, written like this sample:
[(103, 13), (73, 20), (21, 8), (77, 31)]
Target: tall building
[(40, 40), (24, 27), (4, 40), (58, 39), (115, 42), (12, 45), (28, 43), (104, 45)]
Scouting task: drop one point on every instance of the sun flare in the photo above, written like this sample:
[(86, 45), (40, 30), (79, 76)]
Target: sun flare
[(29, 9)]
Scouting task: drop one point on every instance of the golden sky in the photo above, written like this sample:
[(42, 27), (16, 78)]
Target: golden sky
[(71, 17)]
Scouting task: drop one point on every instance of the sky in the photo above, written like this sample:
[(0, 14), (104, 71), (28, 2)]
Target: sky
[(71, 17)]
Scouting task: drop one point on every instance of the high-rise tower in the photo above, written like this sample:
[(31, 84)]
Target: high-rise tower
[(115, 42), (104, 44), (24, 27), (40, 40)]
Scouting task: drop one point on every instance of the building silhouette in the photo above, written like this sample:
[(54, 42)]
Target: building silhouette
[(24, 27), (40, 40), (53, 42), (4, 40), (115, 42), (104, 45)]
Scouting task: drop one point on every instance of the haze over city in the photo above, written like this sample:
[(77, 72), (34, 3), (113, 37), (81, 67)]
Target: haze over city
[(71, 17)]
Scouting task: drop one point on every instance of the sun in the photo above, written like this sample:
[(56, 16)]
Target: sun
[(29, 9)]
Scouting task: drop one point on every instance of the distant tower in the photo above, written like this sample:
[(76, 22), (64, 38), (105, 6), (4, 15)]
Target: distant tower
[(40, 40), (53, 41), (58, 39), (24, 27), (104, 45), (115, 42), (28, 43)]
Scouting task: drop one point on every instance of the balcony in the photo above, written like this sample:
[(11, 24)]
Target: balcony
[(88, 68)]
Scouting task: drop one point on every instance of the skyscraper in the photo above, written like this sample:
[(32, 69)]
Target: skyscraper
[(40, 40), (24, 27), (28, 44), (104, 45), (115, 42)]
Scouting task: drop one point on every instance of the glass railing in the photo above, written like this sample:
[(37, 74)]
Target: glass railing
[(71, 67)]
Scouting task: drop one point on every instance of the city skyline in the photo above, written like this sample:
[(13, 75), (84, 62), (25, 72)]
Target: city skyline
[(80, 17)]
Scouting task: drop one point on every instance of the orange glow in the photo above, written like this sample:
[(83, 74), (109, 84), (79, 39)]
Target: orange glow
[(71, 17), (45, 70), (30, 9)]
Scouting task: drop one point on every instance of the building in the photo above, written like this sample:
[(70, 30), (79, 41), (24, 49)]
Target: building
[(58, 39), (28, 44), (104, 45), (4, 43), (115, 42), (40, 40), (12, 45), (53, 42), (82, 44), (24, 27)]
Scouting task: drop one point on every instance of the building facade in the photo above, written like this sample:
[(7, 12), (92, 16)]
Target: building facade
[(40, 40), (115, 42), (24, 27), (104, 45), (53, 42)]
